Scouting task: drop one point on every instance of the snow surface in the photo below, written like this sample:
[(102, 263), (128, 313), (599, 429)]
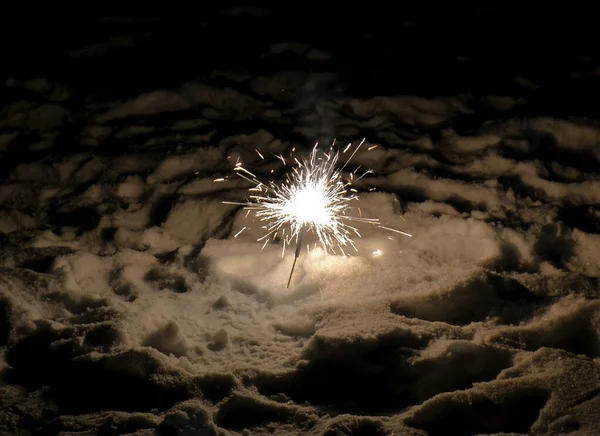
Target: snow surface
[(127, 305)]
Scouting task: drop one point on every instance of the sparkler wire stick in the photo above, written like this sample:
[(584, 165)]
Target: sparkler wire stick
[(297, 252)]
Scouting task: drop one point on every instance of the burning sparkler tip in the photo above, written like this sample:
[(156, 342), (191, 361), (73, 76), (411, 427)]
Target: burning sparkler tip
[(313, 197)]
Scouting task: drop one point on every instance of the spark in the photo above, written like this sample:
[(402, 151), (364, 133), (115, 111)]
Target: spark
[(394, 230), (281, 158), (313, 197), (240, 232), (221, 179)]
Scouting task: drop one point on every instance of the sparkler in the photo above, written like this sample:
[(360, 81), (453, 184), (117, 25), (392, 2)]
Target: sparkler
[(314, 197)]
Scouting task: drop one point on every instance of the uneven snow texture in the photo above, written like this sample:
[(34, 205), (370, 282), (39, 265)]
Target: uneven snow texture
[(128, 307)]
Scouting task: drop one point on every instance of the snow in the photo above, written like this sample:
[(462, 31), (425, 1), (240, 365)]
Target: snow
[(411, 110), (130, 303)]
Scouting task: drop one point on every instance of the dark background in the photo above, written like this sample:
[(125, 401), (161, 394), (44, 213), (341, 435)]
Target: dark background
[(390, 48)]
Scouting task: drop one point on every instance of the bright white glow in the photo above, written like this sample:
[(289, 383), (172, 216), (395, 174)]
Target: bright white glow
[(309, 204), (377, 253)]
